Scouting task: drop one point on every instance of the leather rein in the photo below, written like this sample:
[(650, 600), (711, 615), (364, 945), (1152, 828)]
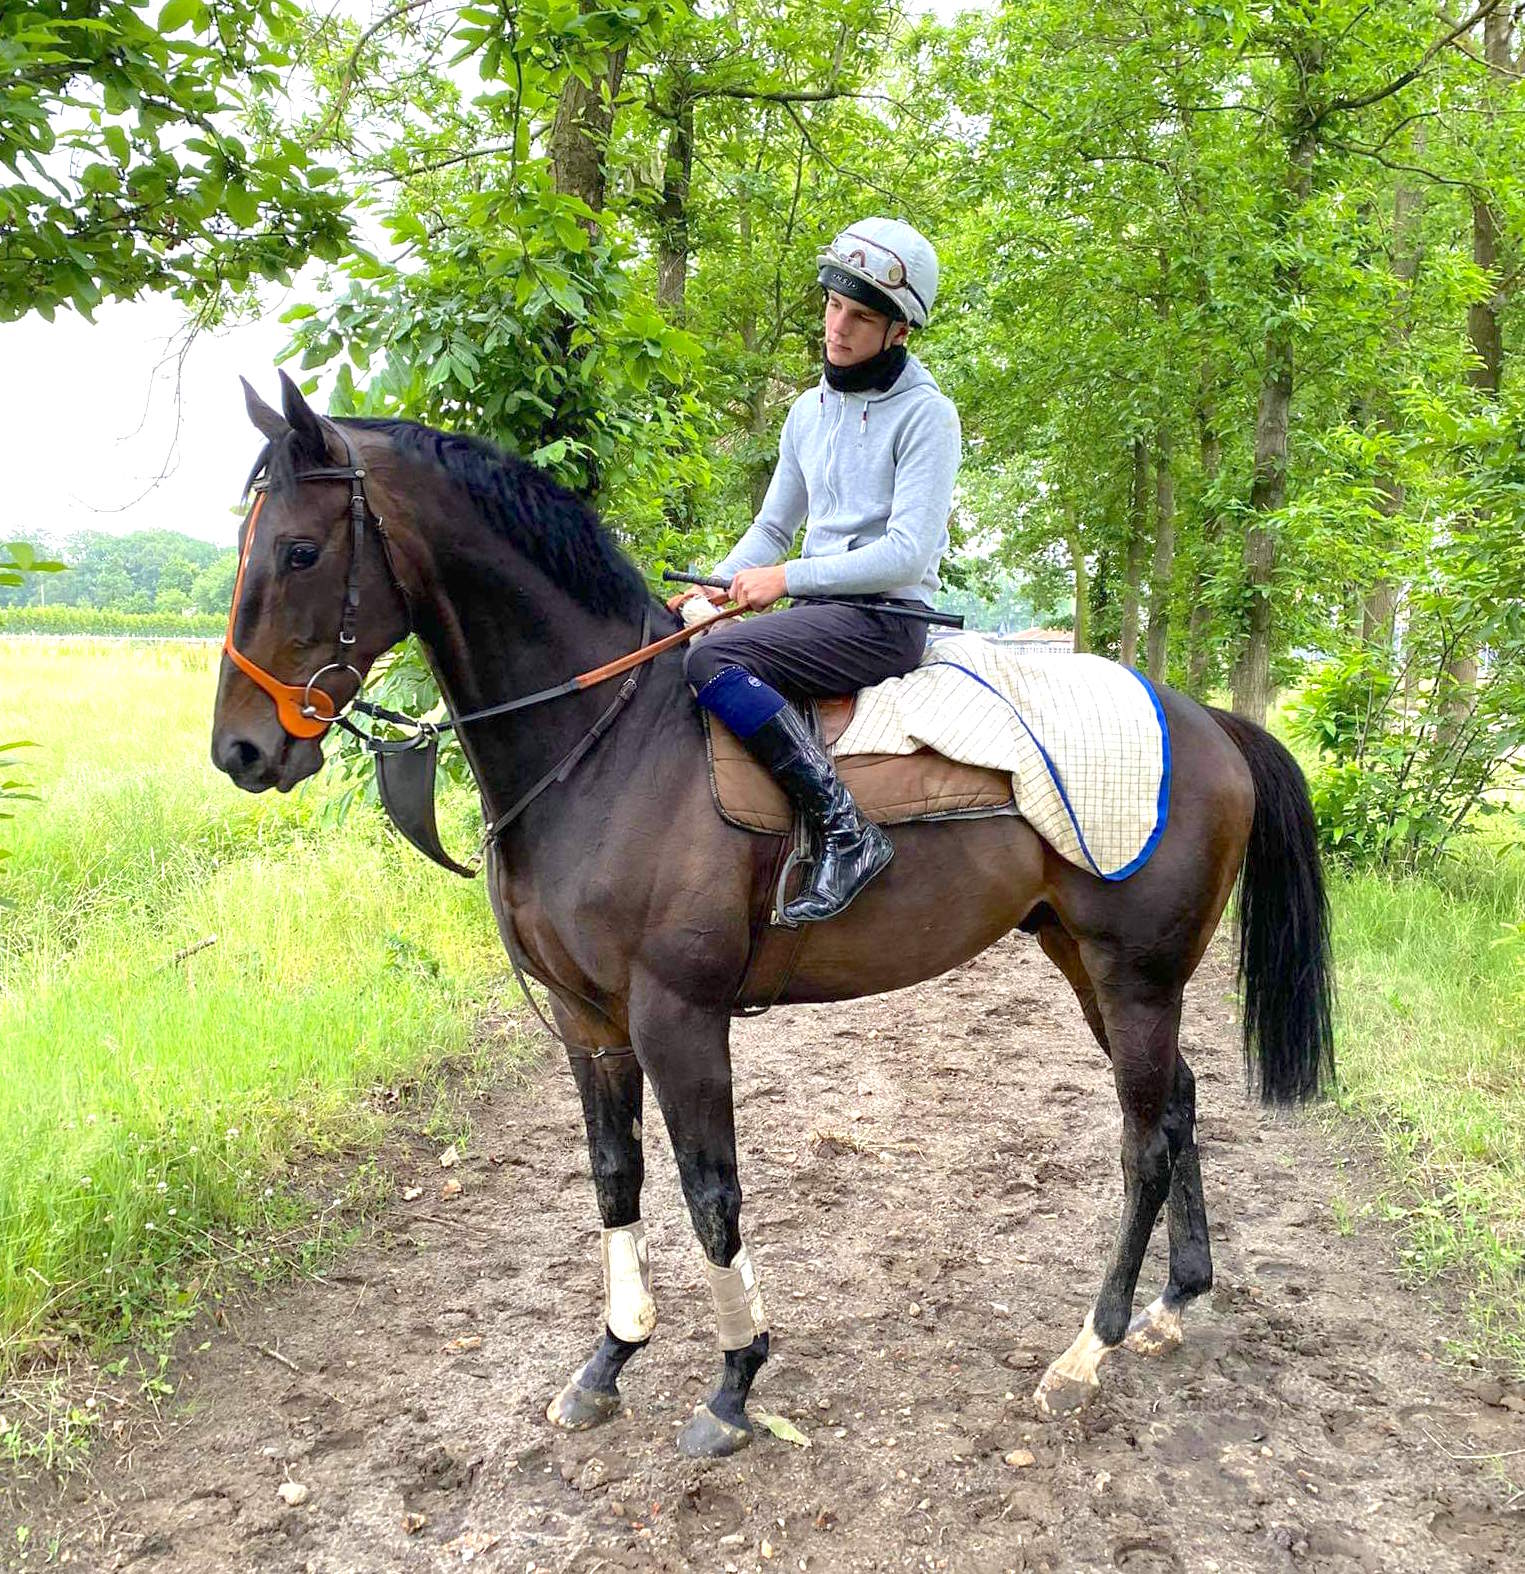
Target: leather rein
[(405, 767)]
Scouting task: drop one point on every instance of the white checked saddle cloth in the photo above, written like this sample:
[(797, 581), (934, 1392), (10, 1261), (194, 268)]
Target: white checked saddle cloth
[(1083, 739)]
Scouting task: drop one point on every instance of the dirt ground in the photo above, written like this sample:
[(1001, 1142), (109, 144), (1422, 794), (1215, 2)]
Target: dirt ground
[(931, 1182)]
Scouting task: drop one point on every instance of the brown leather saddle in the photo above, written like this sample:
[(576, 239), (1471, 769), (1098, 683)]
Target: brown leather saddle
[(891, 789)]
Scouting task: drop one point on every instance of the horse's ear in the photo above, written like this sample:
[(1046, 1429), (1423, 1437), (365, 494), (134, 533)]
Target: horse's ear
[(309, 430), (268, 421)]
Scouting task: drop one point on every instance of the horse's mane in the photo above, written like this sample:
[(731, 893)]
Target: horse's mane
[(558, 531)]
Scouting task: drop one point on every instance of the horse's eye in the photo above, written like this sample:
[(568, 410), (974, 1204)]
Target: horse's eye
[(301, 554)]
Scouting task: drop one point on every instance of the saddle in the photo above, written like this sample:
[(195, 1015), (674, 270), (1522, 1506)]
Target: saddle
[(890, 789)]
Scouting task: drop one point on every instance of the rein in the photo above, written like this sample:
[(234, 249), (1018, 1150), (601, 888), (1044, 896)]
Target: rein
[(405, 767)]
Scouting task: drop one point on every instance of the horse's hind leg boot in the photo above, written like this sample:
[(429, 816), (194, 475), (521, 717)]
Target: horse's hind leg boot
[(1158, 1327)]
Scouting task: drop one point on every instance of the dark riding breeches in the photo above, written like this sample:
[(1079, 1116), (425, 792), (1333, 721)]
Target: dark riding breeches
[(812, 651)]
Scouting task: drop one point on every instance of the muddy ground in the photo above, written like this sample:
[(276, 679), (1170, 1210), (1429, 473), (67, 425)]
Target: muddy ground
[(931, 1184)]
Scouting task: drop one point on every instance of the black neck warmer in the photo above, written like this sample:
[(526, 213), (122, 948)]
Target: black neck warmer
[(877, 372)]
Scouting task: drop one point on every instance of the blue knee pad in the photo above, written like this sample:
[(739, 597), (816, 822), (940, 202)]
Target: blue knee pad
[(741, 701)]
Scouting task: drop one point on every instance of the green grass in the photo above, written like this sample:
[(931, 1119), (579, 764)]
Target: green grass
[(152, 1103), (1432, 1057), (1431, 1053)]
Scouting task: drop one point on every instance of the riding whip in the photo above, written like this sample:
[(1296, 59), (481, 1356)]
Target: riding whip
[(950, 620)]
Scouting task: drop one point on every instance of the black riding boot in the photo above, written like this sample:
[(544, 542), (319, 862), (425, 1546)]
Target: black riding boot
[(853, 849)]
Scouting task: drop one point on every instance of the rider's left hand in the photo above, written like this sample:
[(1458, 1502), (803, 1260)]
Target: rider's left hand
[(758, 588)]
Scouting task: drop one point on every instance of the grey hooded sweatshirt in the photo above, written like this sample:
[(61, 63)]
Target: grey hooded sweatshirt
[(871, 477)]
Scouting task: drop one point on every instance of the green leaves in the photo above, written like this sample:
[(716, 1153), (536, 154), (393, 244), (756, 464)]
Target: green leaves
[(155, 191), (18, 559), (177, 13)]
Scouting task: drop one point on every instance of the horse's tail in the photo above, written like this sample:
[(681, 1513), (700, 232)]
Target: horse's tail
[(1285, 967)]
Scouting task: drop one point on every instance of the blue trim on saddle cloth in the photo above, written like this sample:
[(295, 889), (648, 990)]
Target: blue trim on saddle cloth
[(741, 701), (1162, 802)]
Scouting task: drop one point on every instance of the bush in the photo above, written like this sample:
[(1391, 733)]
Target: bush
[(1405, 761), (100, 622)]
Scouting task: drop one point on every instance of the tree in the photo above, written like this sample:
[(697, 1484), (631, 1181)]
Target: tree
[(148, 157)]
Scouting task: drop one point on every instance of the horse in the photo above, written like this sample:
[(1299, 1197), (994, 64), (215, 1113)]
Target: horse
[(620, 888)]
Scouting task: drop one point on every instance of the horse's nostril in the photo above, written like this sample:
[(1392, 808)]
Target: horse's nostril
[(236, 756)]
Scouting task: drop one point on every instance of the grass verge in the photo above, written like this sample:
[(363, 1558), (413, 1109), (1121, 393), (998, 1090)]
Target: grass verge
[(199, 991), (1432, 1057)]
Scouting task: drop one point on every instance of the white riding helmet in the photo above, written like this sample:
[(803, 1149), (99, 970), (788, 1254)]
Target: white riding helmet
[(894, 261)]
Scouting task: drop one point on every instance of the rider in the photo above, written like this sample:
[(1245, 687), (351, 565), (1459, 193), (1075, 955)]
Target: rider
[(867, 461)]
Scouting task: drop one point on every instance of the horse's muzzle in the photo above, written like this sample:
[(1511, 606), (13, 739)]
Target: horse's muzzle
[(255, 768)]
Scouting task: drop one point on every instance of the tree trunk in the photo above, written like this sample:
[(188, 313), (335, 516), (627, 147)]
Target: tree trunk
[(1082, 640), (579, 136), (1380, 603), (672, 217), (762, 467), (1164, 555), (1210, 450), (1484, 326), (1268, 487), (1133, 561)]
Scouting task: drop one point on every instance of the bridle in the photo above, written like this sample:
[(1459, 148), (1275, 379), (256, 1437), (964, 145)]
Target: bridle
[(296, 704), (405, 766)]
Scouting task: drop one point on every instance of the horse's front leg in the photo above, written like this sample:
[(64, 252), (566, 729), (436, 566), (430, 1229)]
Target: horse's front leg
[(610, 1083), (686, 1052)]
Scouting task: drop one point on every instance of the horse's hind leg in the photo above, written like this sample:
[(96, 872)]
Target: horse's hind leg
[(610, 1084), (1060, 948), (1158, 1327), (1141, 1026)]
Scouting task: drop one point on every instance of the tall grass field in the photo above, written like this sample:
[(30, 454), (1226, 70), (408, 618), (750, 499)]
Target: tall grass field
[(197, 986)]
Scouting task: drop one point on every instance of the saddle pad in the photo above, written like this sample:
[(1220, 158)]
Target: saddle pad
[(891, 789), (1083, 739)]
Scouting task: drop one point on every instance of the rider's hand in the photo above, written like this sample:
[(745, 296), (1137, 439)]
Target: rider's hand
[(719, 597), (758, 588)]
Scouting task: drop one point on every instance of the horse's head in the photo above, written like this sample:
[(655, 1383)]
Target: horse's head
[(315, 602)]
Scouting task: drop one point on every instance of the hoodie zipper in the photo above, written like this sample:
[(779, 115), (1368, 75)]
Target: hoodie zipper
[(831, 457)]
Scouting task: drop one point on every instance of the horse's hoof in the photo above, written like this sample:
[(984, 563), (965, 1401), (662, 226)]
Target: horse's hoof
[(1059, 1396), (708, 1437), (1155, 1330), (576, 1408)]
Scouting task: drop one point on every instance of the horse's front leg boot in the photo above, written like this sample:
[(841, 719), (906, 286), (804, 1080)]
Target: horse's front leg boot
[(1155, 1330), (1071, 1383), (630, 1313), (739, 1314), (630, 1317)]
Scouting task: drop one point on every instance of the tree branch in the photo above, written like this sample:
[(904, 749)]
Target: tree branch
[(1404, 169), (831, 163), (1400, 82), (347, 81)]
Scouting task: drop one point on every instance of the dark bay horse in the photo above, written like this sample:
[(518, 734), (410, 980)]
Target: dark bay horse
[(632, 900)]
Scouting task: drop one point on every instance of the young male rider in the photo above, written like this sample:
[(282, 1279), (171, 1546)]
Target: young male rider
[(867, 461)]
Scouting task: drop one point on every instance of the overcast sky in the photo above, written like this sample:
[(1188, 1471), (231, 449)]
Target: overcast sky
[(88, 414), (89, 418)]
